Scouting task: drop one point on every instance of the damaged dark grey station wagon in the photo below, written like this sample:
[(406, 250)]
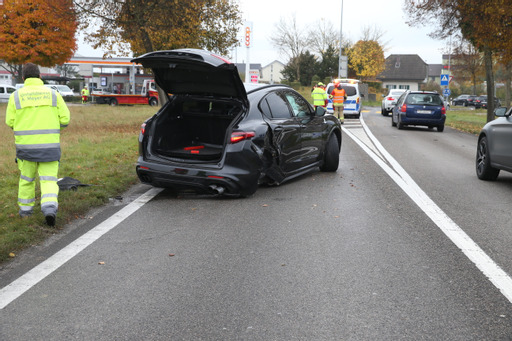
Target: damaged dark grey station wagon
[(216, 136)]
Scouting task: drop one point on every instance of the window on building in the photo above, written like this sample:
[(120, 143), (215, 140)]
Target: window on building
[(406, 87)]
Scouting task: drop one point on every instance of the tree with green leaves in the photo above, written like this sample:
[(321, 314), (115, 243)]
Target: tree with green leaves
[(122, 27), (306, 63)]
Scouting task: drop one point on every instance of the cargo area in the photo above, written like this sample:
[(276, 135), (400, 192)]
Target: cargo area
[(194, 129)]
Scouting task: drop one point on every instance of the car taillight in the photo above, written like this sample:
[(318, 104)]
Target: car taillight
[(238, 136), (390, 99), (143, 128), (403, 108), (443, 110)]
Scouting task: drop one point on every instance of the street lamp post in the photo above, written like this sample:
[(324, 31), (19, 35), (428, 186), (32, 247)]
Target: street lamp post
[(341, 39), (342, 61)]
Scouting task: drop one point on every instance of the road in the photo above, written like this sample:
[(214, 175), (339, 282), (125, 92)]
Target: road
[(376, 251)]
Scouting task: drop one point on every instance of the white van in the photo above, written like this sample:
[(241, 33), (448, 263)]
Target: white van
[(63, 90), (353, 104), (5, 92)]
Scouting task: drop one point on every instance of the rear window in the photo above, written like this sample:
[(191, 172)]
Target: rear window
[(424, 99), (349, 90)]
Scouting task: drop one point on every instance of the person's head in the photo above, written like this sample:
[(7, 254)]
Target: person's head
[(320, 84), (30, 70)]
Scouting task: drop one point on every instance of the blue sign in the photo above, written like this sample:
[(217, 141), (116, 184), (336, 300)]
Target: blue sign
[(446, 92), (445, 80)]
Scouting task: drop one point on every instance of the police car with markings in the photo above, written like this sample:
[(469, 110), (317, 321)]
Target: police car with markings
[(353, 104)]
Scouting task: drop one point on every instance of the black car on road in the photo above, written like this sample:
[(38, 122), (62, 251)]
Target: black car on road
[(482, 102), (214, 135), (464, 100)]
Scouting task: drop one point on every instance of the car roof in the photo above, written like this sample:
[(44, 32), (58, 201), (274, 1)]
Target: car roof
[(423, 92)]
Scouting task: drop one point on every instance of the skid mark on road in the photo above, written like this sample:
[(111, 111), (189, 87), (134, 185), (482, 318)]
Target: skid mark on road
[(483, 262)]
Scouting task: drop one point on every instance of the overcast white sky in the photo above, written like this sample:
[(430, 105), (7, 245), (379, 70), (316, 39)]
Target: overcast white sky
[(386, 15)]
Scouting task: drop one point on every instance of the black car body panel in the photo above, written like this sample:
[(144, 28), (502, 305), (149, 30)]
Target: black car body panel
[(217, 136)]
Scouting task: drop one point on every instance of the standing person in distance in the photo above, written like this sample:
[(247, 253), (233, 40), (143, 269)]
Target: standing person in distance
[(85, 94), (37, 114), (338, 95), (319, 96)]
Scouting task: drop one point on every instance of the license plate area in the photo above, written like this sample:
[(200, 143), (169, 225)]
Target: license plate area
[(423, 111)]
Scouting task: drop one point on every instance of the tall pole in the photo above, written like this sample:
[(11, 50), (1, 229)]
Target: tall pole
[(341, 40)]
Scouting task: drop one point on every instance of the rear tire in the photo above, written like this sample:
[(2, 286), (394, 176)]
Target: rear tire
[(484, 170), (113, 102), (384, 112), (331, 155), (440, 128)]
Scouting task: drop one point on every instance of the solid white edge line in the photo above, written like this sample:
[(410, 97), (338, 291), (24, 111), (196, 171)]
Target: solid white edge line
[(19, 286), (499, 278)]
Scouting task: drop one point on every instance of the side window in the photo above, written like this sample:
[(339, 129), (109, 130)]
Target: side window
[(299, 106), (2, 90), (277, 106), (401, 99)]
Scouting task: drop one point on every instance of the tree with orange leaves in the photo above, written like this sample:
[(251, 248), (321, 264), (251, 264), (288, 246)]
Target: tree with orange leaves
[(37, 31)]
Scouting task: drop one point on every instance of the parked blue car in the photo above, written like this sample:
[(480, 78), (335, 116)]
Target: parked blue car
[(419, 108)]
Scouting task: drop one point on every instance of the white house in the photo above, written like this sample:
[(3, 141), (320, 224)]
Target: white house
[(272, 72)]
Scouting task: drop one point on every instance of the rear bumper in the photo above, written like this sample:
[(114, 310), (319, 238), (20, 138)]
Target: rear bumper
[(423, 121), (227, 180)]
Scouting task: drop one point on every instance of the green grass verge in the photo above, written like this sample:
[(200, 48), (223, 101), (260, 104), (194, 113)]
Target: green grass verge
[(100, 148)]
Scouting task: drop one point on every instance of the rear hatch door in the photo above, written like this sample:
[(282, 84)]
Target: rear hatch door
[(194, 72)]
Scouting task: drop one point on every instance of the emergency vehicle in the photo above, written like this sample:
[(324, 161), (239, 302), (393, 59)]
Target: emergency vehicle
[(148, 95), (353, 104)]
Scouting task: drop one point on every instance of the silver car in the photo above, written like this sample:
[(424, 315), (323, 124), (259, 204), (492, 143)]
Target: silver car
[(389, 101), (493, 152)]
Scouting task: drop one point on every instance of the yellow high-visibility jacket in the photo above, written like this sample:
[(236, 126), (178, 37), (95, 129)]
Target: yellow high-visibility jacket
[(319, 96), (37, 113)]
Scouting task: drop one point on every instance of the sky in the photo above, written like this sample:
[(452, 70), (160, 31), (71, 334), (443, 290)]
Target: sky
[(386, 16)]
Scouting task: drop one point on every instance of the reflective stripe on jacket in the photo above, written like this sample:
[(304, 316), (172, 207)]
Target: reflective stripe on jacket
[(37, 114), (319, 96), (338, 96)]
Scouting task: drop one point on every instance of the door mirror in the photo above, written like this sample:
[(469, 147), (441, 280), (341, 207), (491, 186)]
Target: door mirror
[(320, 111)]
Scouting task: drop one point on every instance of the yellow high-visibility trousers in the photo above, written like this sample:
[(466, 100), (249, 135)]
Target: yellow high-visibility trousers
[(47, 172)]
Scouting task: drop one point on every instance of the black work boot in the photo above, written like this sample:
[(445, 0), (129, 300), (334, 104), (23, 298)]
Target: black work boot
[(50, 219)]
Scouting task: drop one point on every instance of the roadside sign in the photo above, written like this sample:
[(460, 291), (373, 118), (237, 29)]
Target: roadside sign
[(446, 92), (445, 79)]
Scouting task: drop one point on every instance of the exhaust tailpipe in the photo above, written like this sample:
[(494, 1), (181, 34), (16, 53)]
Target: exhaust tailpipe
[(216, 189)]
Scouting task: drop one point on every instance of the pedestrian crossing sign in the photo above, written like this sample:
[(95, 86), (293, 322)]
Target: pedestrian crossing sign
[(445, 79)]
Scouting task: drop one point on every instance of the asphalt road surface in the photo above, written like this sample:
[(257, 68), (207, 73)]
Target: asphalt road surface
[(403, 242)]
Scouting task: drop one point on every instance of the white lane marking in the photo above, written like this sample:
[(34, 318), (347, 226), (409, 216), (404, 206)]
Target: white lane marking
[(483, 262), (15, 289)]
